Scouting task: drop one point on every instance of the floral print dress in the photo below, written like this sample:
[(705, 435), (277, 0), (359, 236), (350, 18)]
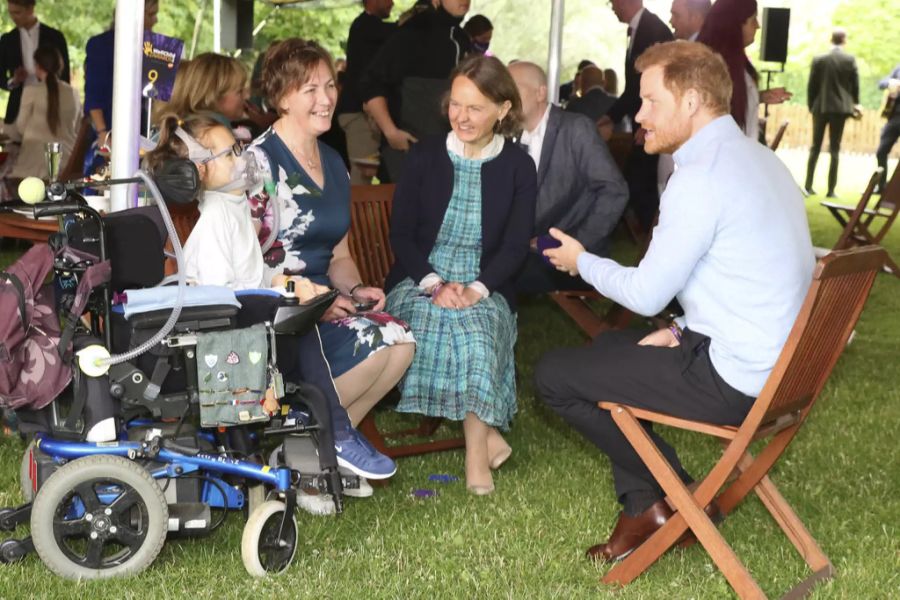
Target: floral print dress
[(312, 221)]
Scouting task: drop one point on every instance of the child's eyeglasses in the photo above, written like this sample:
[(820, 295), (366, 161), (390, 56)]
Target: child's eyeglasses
[(235, 149)]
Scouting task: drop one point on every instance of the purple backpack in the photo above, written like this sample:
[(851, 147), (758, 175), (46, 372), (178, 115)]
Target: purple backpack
[(32, 372)]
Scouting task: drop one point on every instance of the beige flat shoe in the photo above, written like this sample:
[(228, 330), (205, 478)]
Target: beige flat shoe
[(500, 458), (481, 490)]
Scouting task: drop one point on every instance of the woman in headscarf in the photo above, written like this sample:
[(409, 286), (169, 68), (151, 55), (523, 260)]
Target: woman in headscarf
[(729, 28)]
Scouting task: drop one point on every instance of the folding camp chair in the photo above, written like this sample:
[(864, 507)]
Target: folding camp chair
[(370, 247), (859, 221), (840, 286)]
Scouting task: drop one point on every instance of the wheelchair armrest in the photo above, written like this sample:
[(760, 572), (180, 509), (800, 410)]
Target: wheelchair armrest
[(297, 319)]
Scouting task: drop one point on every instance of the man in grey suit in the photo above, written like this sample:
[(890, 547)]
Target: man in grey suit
[(580, 187), (832, 96)]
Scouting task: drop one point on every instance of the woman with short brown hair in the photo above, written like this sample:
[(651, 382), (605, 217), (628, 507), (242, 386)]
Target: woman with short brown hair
[(368, 350)]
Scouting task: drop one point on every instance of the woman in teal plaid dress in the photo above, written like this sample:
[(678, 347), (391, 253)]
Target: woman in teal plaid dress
[(462, 218)]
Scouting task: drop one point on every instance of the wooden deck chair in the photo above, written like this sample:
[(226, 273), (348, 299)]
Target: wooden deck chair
[(840, 286), (578, 303), (860, 221), (620, 145), (74, 166), (370, 247), (184, 217), (776, 141)]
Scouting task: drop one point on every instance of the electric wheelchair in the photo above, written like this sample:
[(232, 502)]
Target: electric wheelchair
[(127, 454)]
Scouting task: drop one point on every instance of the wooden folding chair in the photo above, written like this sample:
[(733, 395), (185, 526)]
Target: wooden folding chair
[(579, 304), (859, 221), (184, 217), (776, 141), (74, 166), (840, 286), (370, 247), (620, 145)]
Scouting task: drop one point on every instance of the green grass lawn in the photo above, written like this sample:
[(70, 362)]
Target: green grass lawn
[(554, 498)]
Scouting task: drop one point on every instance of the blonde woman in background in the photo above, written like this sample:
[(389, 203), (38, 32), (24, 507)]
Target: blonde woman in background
[(211, 84)]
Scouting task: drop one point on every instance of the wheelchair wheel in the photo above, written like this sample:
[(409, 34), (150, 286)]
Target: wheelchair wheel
[(263, 550), (25, 473), (97, 517)]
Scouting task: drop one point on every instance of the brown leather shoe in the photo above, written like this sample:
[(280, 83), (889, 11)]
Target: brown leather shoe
[(630, 532), (712, 511), (715, 515)]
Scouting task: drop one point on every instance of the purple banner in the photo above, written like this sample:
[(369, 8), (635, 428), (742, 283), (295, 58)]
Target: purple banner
[(162, 54)]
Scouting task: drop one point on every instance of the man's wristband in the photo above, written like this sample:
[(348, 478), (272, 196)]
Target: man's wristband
[(354, 288), (676, 331)]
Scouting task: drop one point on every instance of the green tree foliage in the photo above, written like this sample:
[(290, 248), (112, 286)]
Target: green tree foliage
[(521, 31)]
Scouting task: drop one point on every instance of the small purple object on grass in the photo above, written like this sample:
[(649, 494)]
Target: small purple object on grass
[(443, 478), (423, 493)]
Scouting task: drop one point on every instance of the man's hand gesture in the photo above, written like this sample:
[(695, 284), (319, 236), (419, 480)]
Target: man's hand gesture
[(564, 258)]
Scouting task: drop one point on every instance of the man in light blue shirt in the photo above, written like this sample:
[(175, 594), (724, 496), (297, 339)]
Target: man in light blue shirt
[(732, 245)]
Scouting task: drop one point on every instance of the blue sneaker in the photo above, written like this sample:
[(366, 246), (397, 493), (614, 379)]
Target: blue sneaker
[(356, 454)]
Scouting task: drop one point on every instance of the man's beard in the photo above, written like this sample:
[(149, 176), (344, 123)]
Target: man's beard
[(669, 140)]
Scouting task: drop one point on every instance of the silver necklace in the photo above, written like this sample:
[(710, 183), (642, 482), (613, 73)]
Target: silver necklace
[(310, 163), (302, 158)]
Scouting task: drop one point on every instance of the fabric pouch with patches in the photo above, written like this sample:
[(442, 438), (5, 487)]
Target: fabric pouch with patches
[(232, 376)]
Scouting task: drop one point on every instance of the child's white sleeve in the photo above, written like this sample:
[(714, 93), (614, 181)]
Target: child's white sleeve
[(208, 250)]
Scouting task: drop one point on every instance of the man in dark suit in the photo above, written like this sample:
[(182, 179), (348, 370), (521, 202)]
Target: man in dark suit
[(403, 86), (832, 96), (368, 33), (891, 130), (567, 91), (644, 30), (594, 102), (17, 52), (579, 185)]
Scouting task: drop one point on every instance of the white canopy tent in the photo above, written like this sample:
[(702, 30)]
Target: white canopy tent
[(129, 26)]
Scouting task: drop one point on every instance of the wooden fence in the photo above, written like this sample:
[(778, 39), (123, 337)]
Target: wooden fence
[(860, 137)]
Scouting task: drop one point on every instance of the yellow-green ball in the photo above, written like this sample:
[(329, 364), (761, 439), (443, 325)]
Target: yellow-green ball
[(31, 190)]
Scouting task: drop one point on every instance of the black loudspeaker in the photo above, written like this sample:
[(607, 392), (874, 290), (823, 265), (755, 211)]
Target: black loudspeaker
[(775, 25), (236, 22)]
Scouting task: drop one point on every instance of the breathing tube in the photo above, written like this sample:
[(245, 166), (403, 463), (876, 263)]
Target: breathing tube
[(95, 360), (271, 190)]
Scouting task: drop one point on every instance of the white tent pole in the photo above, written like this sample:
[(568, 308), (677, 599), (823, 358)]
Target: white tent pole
[(217, 26), (126, 108), (555, 51)]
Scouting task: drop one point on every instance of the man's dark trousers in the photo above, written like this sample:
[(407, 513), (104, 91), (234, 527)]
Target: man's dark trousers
[(835, 123), (889, 135), (679, 381)]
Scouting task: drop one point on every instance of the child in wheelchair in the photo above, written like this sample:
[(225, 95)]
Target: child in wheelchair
[(223, 250), (101, 504)]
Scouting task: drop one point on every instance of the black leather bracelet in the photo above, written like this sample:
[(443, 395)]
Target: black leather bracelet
[(353, 289)]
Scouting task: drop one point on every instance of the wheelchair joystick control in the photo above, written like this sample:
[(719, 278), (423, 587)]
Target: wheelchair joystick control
[(291, 298)]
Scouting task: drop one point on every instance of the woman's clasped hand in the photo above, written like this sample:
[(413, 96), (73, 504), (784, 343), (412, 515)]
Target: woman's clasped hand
[(455, 295)]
